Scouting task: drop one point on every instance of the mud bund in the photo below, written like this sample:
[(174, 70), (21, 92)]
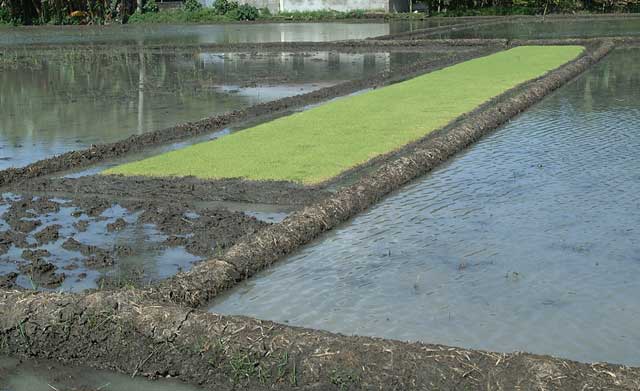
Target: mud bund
[(160, 332)]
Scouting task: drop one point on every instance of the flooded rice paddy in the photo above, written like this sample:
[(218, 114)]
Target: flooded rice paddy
[(42, 375), (527, 241), (208, 34), (552, 28), (56, 101)]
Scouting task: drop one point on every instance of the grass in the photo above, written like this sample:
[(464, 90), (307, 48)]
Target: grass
[(205, 15), (315, 145)]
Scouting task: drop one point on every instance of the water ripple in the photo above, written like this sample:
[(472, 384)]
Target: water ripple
[(526, 241)]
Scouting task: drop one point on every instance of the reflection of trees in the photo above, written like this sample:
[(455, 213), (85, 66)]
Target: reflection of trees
[(96, 94), (608, 84)]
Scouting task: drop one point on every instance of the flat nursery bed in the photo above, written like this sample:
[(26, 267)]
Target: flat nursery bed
[(320, 143), (146, 241)]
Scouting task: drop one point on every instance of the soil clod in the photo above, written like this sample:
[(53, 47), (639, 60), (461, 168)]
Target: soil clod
[(48, 234)]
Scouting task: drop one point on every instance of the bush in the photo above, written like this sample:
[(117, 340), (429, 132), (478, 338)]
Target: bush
[(192, 6), (355, 14), (243, 12), (5, 15), (150, 6), (222, 7), (204, 15)]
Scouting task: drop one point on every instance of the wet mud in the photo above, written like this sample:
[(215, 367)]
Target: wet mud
[(121, 331), (188, 189), (53, 252)]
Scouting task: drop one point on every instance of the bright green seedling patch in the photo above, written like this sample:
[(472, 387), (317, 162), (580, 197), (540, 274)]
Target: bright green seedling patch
[(320, 143)]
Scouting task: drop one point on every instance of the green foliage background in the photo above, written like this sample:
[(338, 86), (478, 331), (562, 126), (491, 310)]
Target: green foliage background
[(110, 11)]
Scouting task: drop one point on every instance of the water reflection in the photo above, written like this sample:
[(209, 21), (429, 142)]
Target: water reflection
[(206, 34), (18, 375), (527, 241), (56, 101)]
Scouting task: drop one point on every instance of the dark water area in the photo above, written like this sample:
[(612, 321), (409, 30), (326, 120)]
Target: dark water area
[(209, 34), (527, 241), (56, 101), (43, 375), (552, 28)]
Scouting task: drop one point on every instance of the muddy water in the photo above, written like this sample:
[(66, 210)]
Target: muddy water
[(552, 29), (206, 34), (72, 245), (139, 247), (40, 375), (529, 240), (56, 101)]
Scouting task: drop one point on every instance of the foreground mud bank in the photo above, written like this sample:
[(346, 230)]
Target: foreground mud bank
[(124, 332), (257, 252)]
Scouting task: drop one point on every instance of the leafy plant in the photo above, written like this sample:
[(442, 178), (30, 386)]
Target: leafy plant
[(243, 12), (5, 15), (192, 6), (222, 7), (150, 6)]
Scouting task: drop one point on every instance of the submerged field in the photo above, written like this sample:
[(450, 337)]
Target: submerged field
[(318, 144), (116, 271)]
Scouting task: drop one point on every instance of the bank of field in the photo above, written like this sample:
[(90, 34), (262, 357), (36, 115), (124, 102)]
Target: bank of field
[(320, 143)]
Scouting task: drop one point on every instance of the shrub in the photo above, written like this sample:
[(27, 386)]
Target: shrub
[(222, 7), (246, 12), (5, 15), (150, 6), (355, 14), (192, 5)]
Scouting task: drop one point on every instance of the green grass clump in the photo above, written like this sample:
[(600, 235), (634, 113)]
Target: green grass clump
[(204, 15), (320, 143)]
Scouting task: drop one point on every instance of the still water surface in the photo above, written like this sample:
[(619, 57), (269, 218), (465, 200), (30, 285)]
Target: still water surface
[(209, 34), (529, 240), (41, 375)]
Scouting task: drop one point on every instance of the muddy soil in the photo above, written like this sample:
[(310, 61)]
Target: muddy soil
[(188, 189), (122, 331), (8, 281), (203, 232)]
